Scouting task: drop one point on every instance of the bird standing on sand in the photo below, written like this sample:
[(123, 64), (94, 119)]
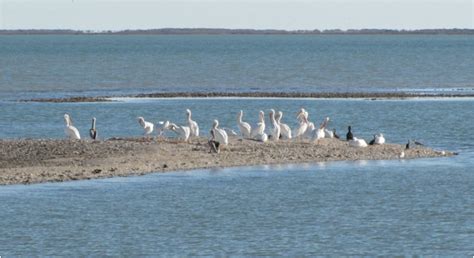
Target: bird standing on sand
[(379, 139), (260, 127), (219, 135), (183, 132), (285, 130), (335, 134), (355, 142), (147, 126), (163, 126), (70, 130), (193, 125), (244, 127), (303, 127), (408, 145), (349, 135), (320, 133), (93, 130), (213, 144), (276, 130)]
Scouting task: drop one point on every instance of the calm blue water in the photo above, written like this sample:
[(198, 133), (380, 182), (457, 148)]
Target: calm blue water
[(37, 66), (340, 208)]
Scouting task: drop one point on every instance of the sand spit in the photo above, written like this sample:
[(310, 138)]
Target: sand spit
[(36, 161), (321, 95)]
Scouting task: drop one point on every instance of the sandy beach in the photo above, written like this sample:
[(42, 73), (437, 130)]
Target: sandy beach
[(35, 161)]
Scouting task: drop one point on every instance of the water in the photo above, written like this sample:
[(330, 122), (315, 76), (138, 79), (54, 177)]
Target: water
[(49, 66), (406, 207), (341, 208)]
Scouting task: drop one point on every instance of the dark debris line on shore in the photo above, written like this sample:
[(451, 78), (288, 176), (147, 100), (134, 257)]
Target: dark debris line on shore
[(329, 95)]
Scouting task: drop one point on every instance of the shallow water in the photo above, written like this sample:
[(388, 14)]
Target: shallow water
[(49, 66), (341, 208)]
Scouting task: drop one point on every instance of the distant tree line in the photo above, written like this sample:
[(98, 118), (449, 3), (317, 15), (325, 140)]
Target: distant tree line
[(207, 31)]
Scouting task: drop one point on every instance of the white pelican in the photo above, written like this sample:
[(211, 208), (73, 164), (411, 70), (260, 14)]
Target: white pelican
[(349, 135), (302, 113), (93, 130), (284, 128), (263, 137), (244, 127), (183, 132), (357, 142), (276, 130), (260, 128), (163, 126), (147, 126), (378, 140), (300, 131), (328, 133), (303, 116), (219, 135), (320, 132), (70, 130), (192, 124)]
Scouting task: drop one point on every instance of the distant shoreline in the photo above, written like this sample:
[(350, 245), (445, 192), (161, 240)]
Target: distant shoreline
[(210, 31), (313, 95)]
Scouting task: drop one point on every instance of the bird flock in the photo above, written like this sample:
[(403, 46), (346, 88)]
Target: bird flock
[(219, 137)]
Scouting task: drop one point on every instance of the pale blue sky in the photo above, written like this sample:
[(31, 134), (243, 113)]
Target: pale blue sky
[(257, 14)]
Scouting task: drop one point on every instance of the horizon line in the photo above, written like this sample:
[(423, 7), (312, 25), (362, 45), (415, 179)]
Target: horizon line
[(170, 31)]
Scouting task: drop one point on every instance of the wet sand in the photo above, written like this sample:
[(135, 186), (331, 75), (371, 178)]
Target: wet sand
[(320, 95), (36, 161)]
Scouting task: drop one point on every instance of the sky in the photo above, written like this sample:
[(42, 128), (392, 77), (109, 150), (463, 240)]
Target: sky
[(98, 15)]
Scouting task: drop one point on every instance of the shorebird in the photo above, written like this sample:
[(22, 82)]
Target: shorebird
[(355, 142), (93, 130), (285, 130), (70, 130), (276, 130), (193, 125), (349, 135), (320, 133), (163, 126), (219, 135), (244, 127), (303, 127), (183, 132), (147, 126), (263, 137), (260, 128), (379, 139)]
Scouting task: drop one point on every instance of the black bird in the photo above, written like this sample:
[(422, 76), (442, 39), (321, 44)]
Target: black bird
[(213, 144), (349, 135), (93, 131), (372, 142), (335, 135), (418, 143), (408, 145)]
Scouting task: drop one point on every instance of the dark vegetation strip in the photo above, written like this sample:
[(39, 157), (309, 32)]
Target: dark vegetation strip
[(347, 95)]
